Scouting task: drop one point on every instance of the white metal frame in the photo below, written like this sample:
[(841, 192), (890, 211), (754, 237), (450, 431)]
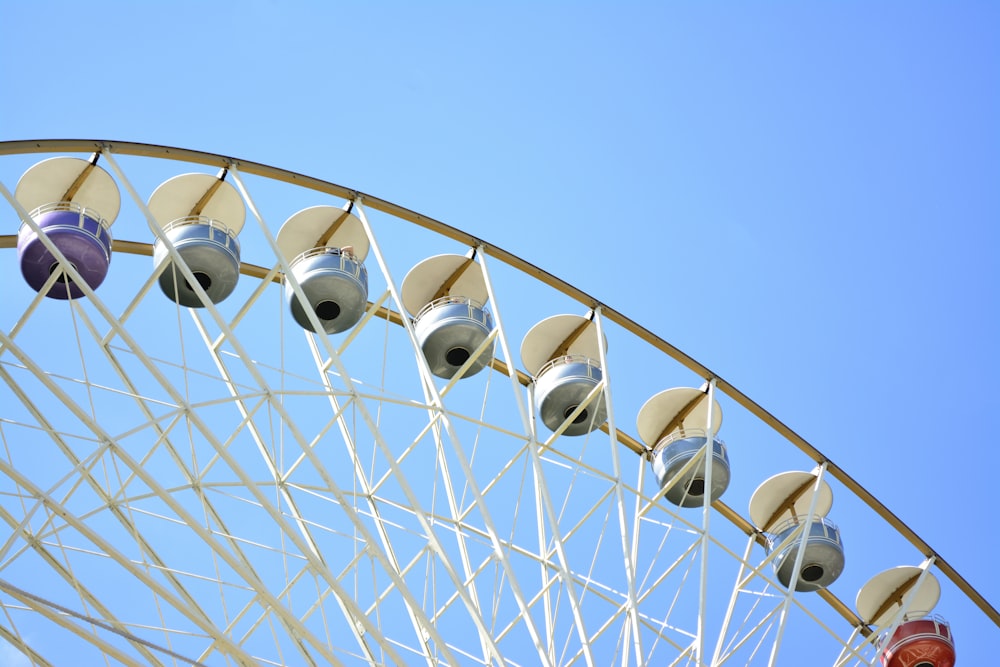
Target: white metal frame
[(605, 609)]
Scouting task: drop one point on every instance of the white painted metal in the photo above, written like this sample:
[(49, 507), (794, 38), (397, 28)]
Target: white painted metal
[(546, 552), (881, 589), (710, 428), (50, 180), (178, 197), (887, 600), (623, 526), (778, 490), (307, 228), (428, 381), (811, 515), (423, 282), (309, 551), (665, 407), (541, 342)]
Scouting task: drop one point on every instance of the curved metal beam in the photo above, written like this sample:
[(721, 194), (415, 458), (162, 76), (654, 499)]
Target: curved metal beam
[(309, 182)]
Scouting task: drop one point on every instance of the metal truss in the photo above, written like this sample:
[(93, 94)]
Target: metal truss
[(218, 486)]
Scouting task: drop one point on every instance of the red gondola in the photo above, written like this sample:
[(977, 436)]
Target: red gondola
[(924, 642)]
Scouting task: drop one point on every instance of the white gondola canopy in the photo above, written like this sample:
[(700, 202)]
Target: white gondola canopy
[(563, 353), (200, 215), (74, 202), (325, 247), (883, 596), (447, 294)]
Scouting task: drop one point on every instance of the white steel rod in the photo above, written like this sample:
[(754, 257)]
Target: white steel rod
[(342, 597), (897, 618), (799, 557), (470, 593), (6, 342), (727, 619), (222, 324), (528, 424), (706, 516), (626, 544)]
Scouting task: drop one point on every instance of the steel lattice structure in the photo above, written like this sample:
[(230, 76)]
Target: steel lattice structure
[(217, 486)]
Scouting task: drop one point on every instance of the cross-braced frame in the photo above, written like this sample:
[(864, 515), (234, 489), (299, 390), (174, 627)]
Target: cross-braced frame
[(217, 485)]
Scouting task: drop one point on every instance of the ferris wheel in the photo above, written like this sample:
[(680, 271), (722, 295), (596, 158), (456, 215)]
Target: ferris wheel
[(252, 417)]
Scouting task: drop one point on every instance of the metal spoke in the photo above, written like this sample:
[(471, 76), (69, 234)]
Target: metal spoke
[(277, 494)]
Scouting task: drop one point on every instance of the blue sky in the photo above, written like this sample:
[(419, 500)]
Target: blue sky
[(802, 196)]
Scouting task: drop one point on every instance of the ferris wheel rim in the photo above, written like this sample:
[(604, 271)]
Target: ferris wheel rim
[(514, 261)]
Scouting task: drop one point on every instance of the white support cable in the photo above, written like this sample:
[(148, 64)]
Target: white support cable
[(522, 410), (662, 623), (850, 651), (81, 469), (405, 453), (529, 428), (543, 541), (544, 501), (443, 473), (187, 156), (596, 391), (39, 603), (600, 525), (118, 557), (706, 509), (436, 412), (684, 555), (423, 627), (290, 583), (342, 501), (263, 284), (895, 620), (460, 373), (799, 556), (137, 300), (585, 518), (186, 271), (454, 506), (148, 479), (370, 312), (86, 596), (251, 427), (14, 639), (342, 599), (473, 487), (637, 521), (656, 523), (455, 503), (137, 350), (627, 554), (58, 616), (6, 342), (766, 621), (727, 619)]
